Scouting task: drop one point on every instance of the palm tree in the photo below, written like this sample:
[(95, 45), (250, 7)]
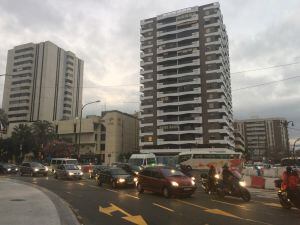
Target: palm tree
[(3, 120), (43, 132), (22, 138)]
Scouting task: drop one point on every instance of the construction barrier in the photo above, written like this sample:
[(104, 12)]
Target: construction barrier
[(257, 182)]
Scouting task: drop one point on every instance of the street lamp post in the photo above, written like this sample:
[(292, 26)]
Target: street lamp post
[(294, 155), (80, 123)]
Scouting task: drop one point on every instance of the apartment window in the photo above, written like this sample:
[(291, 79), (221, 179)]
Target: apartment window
[(74, 128), (68, 87), (69, 75), (19, 95), (211, 105), (20, 88), (70, 63), (18, 108), (17, 115), (70, 57), (103, 127), (67, 105), (21, 81), (22, 68), (103, 137), (69, 81), (24, 50), (23, 56), (67, 111), (22, 75), (68, 93), (70, 68), (67, 99), (96, 137), (23, 62), (102, 147), (19, 101)]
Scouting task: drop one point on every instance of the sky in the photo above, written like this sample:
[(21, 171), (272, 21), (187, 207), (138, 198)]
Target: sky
[(105, 34)]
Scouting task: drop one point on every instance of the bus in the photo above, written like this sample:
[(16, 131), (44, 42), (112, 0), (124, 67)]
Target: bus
[(202, 159), (291, 161)]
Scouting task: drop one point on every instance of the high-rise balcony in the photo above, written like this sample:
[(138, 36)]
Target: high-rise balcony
[(143, 71), (143, 143), (223, 130), (149, 45), (142, 31), (145, 88), (217, 14), (143, 54), (195, 53), (222, 109), (143, 63), (179, 112), (193, 72), (218, 90), (192, 91), (214, 61), (142, 97), (195, 62), (144, 80), (195, 120), (163, 33), (195, 100), (146, 124), (150, 106), (219, 70), (194, 81), (221, 120), (162, 42), (196, 141), (217, 42), (193, 44), (195, 130), (142, 38)]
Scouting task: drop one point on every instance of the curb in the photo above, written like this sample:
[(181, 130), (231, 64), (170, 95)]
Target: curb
[(66, 215)]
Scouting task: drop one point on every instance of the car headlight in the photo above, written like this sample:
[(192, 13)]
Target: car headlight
[(193, 182), (174, 184), (81, 173), (242, 183), (217, 176), (136, 172), (36, 169), (121, 180), (70, 173), (46, 168), (193, 178), (79, 166), (8, 169), (135, 179), (16, 169)]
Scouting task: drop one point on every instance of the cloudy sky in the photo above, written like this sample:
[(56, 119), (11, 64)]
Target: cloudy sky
[(105, 34)]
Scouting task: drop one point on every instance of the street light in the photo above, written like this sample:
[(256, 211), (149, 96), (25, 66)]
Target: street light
[(80, 123)]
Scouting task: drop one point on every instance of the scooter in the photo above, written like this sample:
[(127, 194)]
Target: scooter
[(238, 189)]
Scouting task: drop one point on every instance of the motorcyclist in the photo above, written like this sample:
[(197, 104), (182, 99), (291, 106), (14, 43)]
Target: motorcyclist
[(211, 177), (228, 177), (290, 179)]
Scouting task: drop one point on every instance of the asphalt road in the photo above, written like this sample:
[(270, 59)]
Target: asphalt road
[(102, 205)]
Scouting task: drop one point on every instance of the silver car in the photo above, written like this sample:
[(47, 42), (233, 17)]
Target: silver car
[(68, 171)]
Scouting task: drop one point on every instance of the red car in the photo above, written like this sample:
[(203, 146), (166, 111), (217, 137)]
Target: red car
[(166, 181)]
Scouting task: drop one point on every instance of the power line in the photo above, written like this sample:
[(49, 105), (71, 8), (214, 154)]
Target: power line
[(267, 83), (265, 68)]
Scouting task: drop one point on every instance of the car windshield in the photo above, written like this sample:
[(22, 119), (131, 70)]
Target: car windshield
[(171, 172), (136, 162), (151, 161), (118, 172), (71, 167), (72, 162), (38, 165), (136, 168)]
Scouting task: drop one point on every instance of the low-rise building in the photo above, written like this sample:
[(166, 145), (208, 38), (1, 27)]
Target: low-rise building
[(107, 137)]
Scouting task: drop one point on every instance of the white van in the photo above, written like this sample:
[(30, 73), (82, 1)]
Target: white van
[(55, 162), (142, 159)]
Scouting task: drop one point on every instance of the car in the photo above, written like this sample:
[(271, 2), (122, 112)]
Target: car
[(97, 168), (33, 169), (131, 169), (143, 160), (68, 171), (55, 162), (166, 181), (6, 168), (116, 177)]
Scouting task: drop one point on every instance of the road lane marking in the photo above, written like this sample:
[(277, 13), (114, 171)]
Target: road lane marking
[(227, 203), (132, 196), (81, 184), (163, 207), (138, 219), (221, 212), (111, 190), (68, 192), (92, 186)]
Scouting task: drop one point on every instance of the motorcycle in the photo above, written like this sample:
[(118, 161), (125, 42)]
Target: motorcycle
[(238, 188), (285, 201), (204, 183)]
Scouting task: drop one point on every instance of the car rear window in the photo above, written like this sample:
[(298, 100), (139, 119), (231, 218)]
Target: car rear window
[(171, 172), (118, 171)]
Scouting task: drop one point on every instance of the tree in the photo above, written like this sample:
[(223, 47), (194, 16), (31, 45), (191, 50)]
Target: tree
[(58, 148), (43, 132), (3, 120), (23, 140)]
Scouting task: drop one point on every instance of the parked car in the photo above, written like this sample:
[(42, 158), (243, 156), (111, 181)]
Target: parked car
[(116, 177), (96, 169), (166, 181), (131, 169), (33, 169), (68, 171), (6, 168)]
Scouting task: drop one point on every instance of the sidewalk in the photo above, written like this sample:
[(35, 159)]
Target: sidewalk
[(22, 204)]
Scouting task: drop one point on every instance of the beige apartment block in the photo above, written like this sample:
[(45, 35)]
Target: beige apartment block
[(103, 137), (265, 138), (43, 82)]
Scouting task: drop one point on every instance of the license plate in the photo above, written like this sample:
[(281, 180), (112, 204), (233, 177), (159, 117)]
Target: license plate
[(187, 189)]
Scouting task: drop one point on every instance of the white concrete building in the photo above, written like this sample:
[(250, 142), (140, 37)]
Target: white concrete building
[(185, 76), (43, 82)]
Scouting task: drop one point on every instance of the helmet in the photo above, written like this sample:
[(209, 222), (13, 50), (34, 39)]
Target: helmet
[(289, 169)]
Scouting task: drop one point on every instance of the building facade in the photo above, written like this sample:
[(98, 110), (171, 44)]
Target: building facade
[(185, 76), (239, 141), (265, 138), (105, 137), (43, 82)]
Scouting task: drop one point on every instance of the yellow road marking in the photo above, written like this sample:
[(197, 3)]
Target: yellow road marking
[(138, 219), (227, 203), (163, 207), (273, 204), (222, 213), (192, 204)]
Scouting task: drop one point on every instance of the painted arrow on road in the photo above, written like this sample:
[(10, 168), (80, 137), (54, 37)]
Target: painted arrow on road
[(138, 219)]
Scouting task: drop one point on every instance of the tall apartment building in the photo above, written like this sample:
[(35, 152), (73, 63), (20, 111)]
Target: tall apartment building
[(43, 82), (264, 138), (185, 76)]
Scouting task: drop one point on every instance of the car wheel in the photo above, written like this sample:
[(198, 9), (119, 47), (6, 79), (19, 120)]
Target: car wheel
[(166, 192), (140, 188), (114, 184), (246, 195)]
